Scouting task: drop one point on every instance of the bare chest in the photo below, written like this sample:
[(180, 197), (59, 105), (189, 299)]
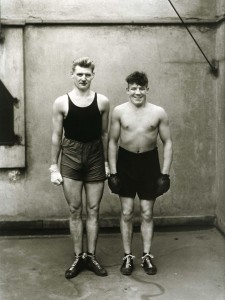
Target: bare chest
[(138, 122)]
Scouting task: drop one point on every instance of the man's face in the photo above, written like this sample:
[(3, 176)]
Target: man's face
[(137, 93), (82, 77)]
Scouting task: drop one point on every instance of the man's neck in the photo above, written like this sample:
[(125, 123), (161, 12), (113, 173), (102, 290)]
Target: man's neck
[(138, 106), (77, 93)]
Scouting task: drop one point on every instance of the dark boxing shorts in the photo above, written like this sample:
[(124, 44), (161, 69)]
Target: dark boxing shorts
[(83, 161), (138, 173)]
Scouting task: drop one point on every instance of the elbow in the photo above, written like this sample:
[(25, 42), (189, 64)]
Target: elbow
[(104, 136), (56, 138), (168, 146), (168, 143), (112, 143)]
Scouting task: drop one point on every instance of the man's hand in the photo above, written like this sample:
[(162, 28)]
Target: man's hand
[(162, 184), (114, 183), (56, 177), (107, 169)]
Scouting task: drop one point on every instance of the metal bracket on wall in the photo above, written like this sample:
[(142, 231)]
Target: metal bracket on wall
[(16, 102), (214, 64)]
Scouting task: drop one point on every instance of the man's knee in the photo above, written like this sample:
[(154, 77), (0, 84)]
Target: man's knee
[(93, 211), (147, 215), (75, 212), (127, 215)]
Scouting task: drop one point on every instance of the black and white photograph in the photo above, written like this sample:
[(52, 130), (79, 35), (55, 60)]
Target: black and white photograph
[(112, 150)]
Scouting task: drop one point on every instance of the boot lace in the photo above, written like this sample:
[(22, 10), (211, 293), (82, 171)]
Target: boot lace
[(93, 259), (77, 258), (128, 257), (147, 257)]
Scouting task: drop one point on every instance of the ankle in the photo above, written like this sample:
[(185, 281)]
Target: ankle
[(145, 255)]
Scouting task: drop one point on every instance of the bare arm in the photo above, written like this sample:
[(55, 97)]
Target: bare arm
[(105, 123), (164, 133), (113, 140), (57, 130)]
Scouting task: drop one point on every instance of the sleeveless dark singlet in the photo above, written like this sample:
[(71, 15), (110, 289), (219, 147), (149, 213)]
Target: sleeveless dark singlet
[(83, 124)]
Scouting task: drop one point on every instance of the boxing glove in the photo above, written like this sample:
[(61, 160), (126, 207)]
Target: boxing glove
[(162, 184), (56, 177), (114, 183)]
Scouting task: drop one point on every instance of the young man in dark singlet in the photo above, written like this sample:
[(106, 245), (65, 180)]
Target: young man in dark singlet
[(135, 165), (83, 115)]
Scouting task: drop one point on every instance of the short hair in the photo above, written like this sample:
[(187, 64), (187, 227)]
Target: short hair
[(139, 78), (84, 62)]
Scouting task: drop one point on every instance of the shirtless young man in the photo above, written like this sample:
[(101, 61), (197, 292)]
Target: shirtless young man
[(83, 114), (134, 165)]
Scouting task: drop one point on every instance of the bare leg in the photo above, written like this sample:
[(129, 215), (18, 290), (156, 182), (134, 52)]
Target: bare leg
[(73, 194), (126, 223), (94, 193), (147, 235), (147, 225)]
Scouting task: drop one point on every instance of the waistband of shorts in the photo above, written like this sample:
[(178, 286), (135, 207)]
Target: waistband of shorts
[(140, 154), (83, 143)]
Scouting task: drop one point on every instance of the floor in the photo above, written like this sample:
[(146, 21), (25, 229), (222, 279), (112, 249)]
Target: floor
[(190, 264)]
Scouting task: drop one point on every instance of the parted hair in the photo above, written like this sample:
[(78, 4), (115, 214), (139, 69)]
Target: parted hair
[(84, 62), (139, 78)]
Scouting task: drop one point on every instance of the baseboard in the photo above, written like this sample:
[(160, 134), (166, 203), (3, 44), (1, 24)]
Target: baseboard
[(61, 226), (220, 225)]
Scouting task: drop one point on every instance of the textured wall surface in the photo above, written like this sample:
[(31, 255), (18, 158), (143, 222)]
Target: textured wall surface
[(180, 81), (220, 207), (113, 10)]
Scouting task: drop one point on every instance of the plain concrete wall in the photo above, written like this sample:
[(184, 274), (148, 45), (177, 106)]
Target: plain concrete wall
[(180, 81), (106, 10), (220, 7), (220, 207)]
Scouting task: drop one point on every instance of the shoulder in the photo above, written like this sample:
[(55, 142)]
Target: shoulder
[(121, 107), (158, 110), (102, 98), (119, 110), (103, 101), (160, 114), (61, 99), (60, 103)]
